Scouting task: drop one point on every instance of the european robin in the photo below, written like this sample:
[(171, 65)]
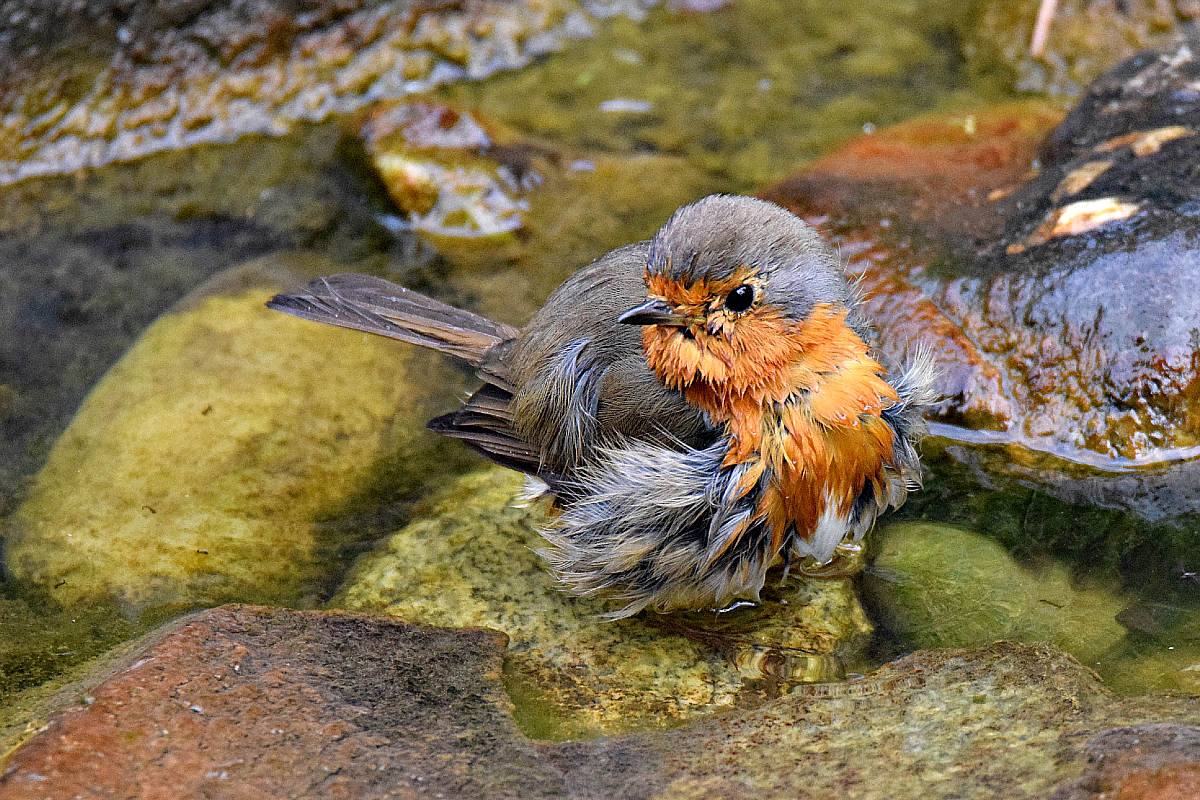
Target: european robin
[(700, 405)]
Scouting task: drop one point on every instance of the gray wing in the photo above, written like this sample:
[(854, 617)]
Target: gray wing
[(575, 378), (371, 304)]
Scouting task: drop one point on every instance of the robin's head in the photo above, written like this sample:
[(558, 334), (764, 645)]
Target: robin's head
[(739, 291)]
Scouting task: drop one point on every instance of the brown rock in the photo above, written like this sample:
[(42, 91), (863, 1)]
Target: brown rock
[(252, 702), (1141, 762)]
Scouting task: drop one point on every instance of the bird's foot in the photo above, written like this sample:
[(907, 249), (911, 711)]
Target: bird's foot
[(847, 561)]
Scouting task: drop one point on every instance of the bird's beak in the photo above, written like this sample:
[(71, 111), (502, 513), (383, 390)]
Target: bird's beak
[(653, 312)]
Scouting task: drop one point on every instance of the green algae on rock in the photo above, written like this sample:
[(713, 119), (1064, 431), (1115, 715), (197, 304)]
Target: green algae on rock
[(934, 585), (934, 724), (1161, 652), (468, 559), (740, 92), (1153, 665), (209, 461), (1086, 38), (1138, 525)]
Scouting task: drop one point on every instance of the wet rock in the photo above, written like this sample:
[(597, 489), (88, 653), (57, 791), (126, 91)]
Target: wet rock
[(1085, 38), (469, 559), (956, 723), (1140, 762), (446, 173), (933, 585), (467, 183), (216, 459), (1139, 525), (98, 82), (572, 208), (253, 702), (929, 168), (90, 261), (1161, 651), (1026, 267)]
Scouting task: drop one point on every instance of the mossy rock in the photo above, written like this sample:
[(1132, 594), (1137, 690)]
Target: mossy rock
[(1085, 39), (934, 585), (208, 461), (469, 559)]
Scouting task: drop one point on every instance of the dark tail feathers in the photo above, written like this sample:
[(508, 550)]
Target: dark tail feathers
[(371, 304)]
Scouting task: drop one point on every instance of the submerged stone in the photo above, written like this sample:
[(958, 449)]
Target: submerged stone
[(90, 261), (1161, 651), (444, 171), (741, 91), (933, 585), (255, 702), (1085, 37), (468, 559), (215, 458), (1137, 524)]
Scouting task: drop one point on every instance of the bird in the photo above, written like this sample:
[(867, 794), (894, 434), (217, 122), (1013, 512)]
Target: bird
[(700, 406)]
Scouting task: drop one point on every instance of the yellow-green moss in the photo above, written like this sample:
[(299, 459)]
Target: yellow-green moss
[(468, 559), (1085, 39), (198, 468), (934, 585)]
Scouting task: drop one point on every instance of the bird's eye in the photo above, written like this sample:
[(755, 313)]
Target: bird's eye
[(740, 298)]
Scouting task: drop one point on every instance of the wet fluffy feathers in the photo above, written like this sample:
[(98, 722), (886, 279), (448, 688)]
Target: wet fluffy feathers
[(684, 459)]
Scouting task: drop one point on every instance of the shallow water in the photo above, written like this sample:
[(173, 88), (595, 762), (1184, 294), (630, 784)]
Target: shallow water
[(657, 111)]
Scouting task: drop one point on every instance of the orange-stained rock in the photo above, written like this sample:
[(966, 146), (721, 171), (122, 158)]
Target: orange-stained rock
[(1050, 269), (1141, 762), (251, 702), (930, 172), (248, 702)]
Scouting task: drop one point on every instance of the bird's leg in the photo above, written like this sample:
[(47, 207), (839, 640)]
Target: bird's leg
[(787, 562)]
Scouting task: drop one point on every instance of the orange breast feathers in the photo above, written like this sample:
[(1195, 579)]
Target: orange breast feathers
[(801, 399)]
